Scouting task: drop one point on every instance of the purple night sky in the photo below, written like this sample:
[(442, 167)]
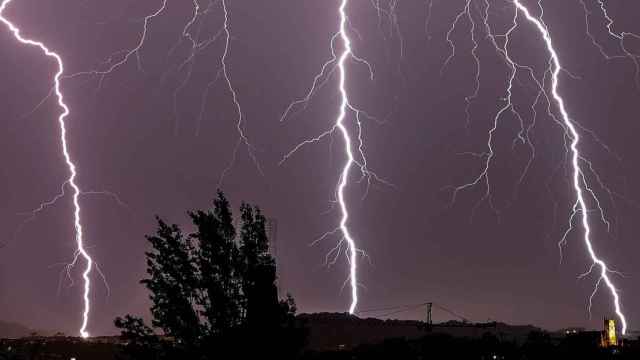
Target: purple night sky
[(127, 138)]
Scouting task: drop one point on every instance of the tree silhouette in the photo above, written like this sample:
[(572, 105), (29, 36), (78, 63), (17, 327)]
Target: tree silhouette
[(173, 284), (213, 291), (269, 321), (218, 258)]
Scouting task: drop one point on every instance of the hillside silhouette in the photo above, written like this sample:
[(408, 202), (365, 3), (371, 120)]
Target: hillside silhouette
[(9, 330)]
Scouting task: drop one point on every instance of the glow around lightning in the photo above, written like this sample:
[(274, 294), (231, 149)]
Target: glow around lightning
[(80, 251), (578, 176)]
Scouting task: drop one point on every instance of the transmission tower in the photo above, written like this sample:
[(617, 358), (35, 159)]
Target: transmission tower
[(272, 232), (429, 319)]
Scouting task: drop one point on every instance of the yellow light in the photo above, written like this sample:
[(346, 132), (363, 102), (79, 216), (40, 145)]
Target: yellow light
[(611, 333)]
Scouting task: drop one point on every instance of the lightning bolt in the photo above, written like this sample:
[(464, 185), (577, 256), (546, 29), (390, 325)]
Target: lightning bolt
[(571, 128), (81, 251), (344, 104), (353, 144), (579, 182)]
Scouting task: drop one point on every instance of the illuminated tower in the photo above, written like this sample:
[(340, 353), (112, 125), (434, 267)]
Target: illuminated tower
[(609, 334)]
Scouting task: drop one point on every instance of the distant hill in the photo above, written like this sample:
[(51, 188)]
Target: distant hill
[(12, 330), (331, 331)]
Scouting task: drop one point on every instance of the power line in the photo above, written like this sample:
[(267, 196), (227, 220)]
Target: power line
[(392, 310)]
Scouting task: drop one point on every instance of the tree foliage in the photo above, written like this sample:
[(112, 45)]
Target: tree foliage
[(213, 291)]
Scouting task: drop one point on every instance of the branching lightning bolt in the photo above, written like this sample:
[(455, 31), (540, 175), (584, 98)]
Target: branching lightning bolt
[(579, 182), (32, 214), (128, 53), (196, 46), (571, 128), (620, 37), (346, 52), (507, 107), (81, 251), (352, 145), (240, 123), (222, 73), (465, 12)]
